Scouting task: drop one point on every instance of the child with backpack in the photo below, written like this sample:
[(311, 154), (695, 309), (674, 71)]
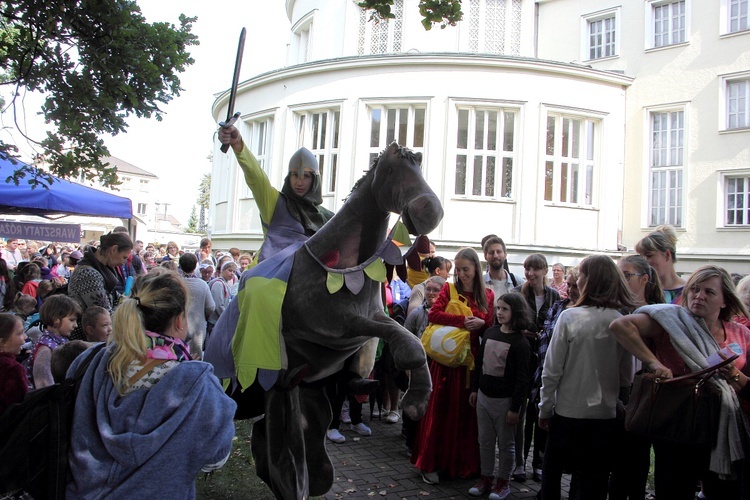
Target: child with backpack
[(13, 381), (59, 314), (147, 418), (500, 385)]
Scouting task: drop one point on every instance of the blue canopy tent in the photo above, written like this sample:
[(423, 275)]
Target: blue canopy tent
[(59, 198)]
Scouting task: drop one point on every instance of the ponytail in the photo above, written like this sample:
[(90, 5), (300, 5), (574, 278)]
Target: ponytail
[(156, 301)]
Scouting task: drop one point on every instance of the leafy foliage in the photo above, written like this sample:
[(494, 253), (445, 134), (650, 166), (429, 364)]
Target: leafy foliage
[(96, 62), (443, 12), (192, 225), (204, 198)]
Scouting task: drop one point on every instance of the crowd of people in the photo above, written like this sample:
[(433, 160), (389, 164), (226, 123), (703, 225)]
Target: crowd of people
[(554, 368), (552, 357), (152, 302)]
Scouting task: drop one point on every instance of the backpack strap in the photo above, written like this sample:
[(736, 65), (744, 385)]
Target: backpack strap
[(147, 367)]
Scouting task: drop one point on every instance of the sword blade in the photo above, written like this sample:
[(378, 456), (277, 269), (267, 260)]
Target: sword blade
[(231, 115)]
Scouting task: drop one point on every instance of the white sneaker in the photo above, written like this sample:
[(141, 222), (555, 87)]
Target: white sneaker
[(361, 428), (335, 436), (392, 417)]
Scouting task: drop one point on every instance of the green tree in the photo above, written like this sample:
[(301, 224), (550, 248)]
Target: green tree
[(192, 225), (443, 12), (204, 198), (96, 62)]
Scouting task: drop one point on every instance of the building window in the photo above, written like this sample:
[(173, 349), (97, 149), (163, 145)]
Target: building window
[(668, 23), (601, 38), (734, 15), (404, 124), (737, 201), (485, 152), (141, 209), (571, 154), (318, 131), (377, 36), (302, 33), (492, 26), (258, 139), (737, 95), (666, 167), (144, 185)]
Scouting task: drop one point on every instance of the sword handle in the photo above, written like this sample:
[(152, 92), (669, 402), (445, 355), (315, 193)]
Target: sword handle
[(226, 124)]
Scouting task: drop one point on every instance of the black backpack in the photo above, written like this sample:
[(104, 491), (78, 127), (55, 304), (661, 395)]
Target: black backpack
[(35, 437)]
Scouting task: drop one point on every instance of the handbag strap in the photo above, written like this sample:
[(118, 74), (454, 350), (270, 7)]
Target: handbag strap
[(708, 372), (146, 368), (457, 296)]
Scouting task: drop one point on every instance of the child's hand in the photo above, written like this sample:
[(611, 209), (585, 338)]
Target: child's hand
[(511, 418), (473, 399)]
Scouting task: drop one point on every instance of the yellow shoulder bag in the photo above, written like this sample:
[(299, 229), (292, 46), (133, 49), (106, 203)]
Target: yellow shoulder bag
[(449, 345)]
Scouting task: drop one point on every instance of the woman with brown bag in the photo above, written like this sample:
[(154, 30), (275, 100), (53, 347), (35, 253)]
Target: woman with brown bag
[(681, 338)]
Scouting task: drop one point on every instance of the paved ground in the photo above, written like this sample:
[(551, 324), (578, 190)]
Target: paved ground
[(378, 466)]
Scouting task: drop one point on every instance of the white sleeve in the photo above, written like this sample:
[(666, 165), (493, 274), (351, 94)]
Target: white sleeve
[(554, 367)]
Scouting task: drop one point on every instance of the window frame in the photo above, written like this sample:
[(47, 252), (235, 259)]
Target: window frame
[(723, 193), (411, 107), (308, 138), (650, 169), (499, 154), (724, 114), (587, 20), (650, 31), (725, 18), (252, 128), (303, 36), (584, 182)]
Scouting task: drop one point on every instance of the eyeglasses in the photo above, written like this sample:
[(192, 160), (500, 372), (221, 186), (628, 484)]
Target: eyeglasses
[(432, 290), (629, 275)]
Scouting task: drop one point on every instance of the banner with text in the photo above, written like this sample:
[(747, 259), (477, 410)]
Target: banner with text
[(67, 233)]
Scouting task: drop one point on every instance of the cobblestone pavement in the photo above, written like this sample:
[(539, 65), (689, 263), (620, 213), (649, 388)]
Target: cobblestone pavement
[(378, 466)]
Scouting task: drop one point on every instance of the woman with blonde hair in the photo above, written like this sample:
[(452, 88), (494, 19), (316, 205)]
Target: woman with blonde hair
[(173, 253), (660, 250), (679, 341), (743, 292), (145, 413)]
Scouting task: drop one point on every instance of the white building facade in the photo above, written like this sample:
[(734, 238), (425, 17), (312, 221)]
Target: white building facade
[(687, 124), (524, 133), (512, 144)]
